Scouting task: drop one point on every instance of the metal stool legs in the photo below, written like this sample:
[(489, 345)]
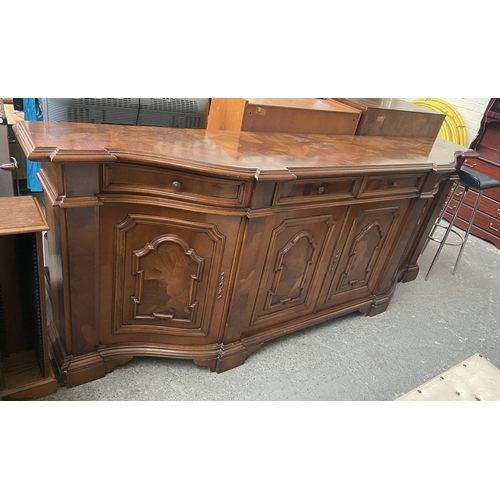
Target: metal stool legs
[(476, 206), (450, 228), (440, 218)]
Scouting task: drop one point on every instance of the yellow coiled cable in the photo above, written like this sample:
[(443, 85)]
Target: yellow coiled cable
[(453, 128)]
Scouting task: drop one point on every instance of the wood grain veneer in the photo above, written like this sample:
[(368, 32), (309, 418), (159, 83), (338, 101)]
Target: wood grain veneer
[(204, 244)]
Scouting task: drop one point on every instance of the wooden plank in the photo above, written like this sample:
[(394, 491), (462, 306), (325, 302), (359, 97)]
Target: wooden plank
[(11, 114), (287, 115), (475, 379)]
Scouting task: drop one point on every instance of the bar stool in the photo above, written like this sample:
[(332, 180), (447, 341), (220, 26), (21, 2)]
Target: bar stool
[(468, 178)]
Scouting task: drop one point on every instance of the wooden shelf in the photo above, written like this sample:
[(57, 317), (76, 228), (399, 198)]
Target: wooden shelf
[(25, 369), (23, 379)]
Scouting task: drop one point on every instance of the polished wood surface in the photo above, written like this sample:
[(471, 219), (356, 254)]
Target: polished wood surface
[(227, 153), (302, 115), (394, 118), (21, 214), (204, 244)]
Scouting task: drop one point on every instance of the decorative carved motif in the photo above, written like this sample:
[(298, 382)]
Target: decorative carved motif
[(244, 197), (362, 255), (291, 263), (368, 234), (161, 286), (167, 272), (291, 270)]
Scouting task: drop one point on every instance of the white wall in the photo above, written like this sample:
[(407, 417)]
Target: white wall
[(471, 109)]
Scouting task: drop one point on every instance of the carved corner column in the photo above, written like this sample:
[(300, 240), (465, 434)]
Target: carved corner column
[(432, 197), (434, 192), (72, 208), (234, 350)]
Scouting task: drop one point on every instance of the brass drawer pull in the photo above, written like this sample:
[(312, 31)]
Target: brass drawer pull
[(393, 184), (176, 185), (453, 207), (494, 228), (469, 165)]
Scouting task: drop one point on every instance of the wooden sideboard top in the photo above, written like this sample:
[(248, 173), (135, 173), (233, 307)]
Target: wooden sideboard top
[(21, 214), (233, 154)]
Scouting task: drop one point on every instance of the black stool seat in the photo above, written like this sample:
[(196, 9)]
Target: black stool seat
[(468, 178), (477, 180)]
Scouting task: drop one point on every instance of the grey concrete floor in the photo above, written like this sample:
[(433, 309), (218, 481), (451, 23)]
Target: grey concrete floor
[(430, 326)]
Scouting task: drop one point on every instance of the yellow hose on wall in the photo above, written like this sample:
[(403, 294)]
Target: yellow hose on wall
[(453, 128)]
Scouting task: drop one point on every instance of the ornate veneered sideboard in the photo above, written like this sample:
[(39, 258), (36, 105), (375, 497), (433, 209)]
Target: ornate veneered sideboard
[(203, 245)]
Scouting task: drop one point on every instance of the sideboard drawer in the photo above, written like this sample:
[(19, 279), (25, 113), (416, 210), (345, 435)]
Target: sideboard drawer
[(133, 179), (482, 220), (317, 190), (379, 185), (487, 205)]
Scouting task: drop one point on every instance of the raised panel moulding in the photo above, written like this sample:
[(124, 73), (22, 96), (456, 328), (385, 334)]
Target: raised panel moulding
[(207, 243)]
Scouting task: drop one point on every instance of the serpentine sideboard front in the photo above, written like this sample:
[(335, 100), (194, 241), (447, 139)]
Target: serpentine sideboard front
[(203, 245)]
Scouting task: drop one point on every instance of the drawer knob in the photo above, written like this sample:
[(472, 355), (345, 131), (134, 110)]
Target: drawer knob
[(321, 190), (393, 184), (176, 185)]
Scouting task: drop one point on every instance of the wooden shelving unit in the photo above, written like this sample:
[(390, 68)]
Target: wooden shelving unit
[(25, 369)]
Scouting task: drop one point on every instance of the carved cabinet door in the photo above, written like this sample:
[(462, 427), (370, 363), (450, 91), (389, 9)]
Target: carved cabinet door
[(163, 274), (370, 238), (292, 269)]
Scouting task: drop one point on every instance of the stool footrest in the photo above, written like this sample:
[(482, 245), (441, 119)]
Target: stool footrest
[(466, 180), (452, 243)]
